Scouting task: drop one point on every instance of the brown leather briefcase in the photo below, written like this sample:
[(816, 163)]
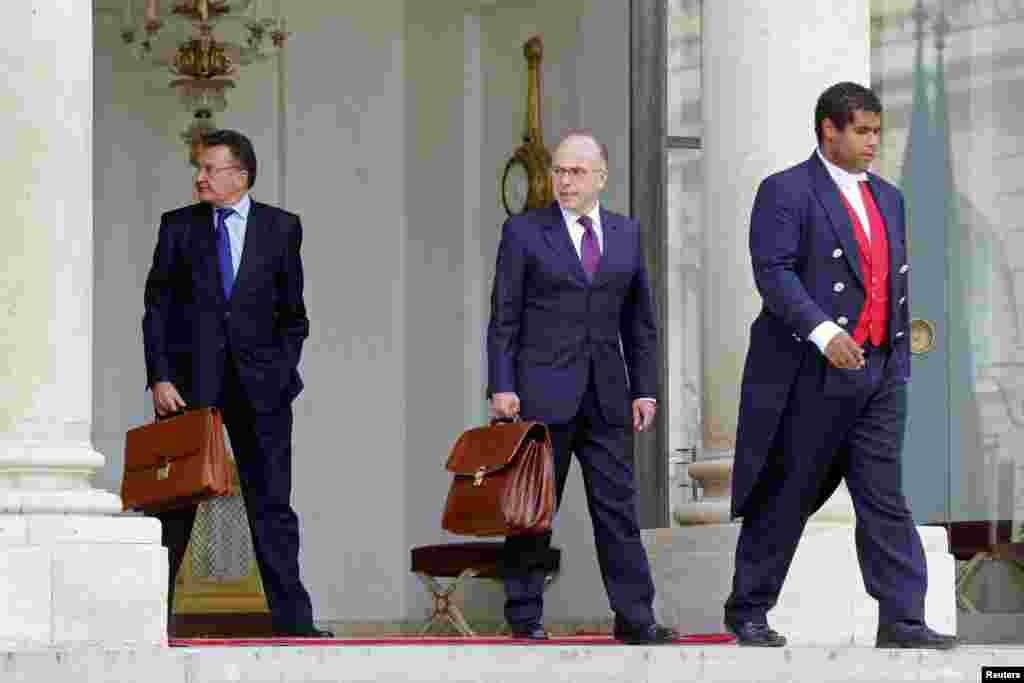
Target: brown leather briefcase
[(176, 462), (504, 481)]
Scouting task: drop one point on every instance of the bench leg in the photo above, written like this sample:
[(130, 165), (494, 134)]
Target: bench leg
[(444, 607), (964, 575)]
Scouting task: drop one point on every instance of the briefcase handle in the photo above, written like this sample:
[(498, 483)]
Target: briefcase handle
[(157, 417)]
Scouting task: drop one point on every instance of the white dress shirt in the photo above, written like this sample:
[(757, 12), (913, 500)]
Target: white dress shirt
[(848, 184), (236, 223)]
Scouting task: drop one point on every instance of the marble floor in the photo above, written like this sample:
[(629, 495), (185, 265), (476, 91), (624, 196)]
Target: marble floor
[(502, 664)]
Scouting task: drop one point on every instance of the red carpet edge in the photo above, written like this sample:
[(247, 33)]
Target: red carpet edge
[(692, 639)]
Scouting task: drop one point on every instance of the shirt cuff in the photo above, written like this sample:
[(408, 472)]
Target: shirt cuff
[(823, 333), (646, 398)]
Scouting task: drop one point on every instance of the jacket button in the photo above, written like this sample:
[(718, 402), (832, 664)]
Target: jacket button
[(837, 253), (838, 287), (904, 268), (843, 320), (902, 299), (899, 334)]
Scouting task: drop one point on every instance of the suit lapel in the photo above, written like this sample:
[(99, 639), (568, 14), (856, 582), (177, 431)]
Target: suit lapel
[(205, 241), (828, 194), (255, 236), (556, 234), (610, 234), (885, 206), (893, 223)]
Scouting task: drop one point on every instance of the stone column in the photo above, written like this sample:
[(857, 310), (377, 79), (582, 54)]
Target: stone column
[(764, 66), (71, 571)]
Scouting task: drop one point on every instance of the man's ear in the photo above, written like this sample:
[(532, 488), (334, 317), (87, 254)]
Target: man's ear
[(828, 129)]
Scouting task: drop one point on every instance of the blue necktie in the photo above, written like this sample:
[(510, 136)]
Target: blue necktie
[(227, 268)]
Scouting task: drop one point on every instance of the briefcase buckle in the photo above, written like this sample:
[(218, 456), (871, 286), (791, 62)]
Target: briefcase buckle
[(478, 478), (163, 472)]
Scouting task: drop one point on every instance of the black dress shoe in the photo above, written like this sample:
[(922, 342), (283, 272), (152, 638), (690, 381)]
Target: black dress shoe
[(754, 634), (531, 632), (910, 635), (652, 634), (307, 632)]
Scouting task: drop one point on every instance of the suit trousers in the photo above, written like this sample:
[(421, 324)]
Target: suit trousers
[(822, 439), (262, 448), (611, 499)]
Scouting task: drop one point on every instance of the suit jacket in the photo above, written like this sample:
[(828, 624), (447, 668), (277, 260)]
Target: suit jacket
[(548, 323), (807, 269), (190, 330)]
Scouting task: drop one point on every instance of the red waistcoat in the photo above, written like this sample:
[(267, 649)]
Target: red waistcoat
[(874, 261)]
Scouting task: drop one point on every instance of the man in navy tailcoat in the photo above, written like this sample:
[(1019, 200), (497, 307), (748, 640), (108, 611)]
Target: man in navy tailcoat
[(824, 394)]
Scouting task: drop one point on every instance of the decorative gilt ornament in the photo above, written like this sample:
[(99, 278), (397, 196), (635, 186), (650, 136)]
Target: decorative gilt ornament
[(922, 336), (526, 181), (201, 10), (202, 58), (203, 43)]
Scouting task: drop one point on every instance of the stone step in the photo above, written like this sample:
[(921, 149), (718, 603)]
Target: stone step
[(504, 663), (823, 601)]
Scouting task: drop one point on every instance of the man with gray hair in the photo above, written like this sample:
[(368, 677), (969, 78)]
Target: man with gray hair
[(572, 343), (224, 326)]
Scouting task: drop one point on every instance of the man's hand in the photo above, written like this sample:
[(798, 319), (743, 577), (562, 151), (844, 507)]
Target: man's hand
[(166, 399), (505, 405), (844, 353), (643, 414)]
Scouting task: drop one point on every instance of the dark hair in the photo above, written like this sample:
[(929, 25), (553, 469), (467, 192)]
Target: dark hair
[(240, 146), (839, 102), (584, 133)]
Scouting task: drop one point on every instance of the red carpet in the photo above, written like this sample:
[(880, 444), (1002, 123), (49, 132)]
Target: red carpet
[(597, 639)]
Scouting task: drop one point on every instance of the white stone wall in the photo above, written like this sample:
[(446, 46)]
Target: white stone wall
[(764, 66)]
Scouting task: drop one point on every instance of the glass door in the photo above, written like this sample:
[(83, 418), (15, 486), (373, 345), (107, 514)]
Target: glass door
[(951, 81)]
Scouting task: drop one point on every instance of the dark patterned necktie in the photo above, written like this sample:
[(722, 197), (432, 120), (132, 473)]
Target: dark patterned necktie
[(590, 250), (227, 267)]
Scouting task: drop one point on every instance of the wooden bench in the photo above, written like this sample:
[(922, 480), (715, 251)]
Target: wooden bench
[(460, 561), (976, 542)]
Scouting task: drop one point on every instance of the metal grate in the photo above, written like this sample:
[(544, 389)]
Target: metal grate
[(221, 542)]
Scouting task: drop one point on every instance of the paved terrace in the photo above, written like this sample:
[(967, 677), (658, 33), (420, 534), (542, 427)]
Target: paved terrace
[(501, 664)]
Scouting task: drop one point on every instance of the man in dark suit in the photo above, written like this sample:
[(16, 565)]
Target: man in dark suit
[(224, 326), (570, 300), (824, 394)]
